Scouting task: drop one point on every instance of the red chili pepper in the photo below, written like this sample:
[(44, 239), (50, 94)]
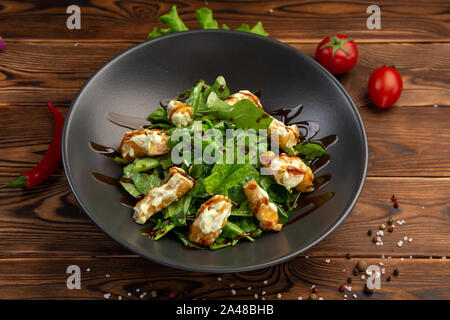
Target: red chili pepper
[(50, 161)]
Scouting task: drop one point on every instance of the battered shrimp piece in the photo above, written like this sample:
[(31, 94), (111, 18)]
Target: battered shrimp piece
[(289, 171), (244, 94), (264, 210), (287, 135), (177, 184), (211, 218), (180, 114), (144, 142)]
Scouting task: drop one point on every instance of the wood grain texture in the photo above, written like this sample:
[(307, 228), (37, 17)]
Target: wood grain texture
[(36, 71), (48, 222), (46, 279), (288, 20)]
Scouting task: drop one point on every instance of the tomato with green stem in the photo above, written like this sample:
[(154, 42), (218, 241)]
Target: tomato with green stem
[(338, 54)]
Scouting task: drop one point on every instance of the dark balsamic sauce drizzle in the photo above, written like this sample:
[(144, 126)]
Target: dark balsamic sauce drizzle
[(104, 150), (308, 131), (105, 179), (128, 202)]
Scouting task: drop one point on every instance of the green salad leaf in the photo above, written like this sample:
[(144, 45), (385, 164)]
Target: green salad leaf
[(159, 115), (225, 176), (310, 151), (205, 19), (173, 20), (244, 113)]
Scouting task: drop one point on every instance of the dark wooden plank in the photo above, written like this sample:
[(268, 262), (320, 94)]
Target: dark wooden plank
[(288, 20), (49, 223), (46, 279), (37, 71), (406, 141)]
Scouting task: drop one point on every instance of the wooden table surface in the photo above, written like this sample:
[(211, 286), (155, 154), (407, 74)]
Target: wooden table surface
[(43, 230)]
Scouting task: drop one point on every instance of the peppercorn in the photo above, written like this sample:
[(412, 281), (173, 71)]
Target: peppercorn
[(312, 296), (362, 265), (315, 290), (390, 221), (396, 272), (394, 198), (391, 229), (382, 227), (396, 204), (349, 280), (342, 288), (388, 279), (348, 256), (369, 233), (171, 294), (374, 240)]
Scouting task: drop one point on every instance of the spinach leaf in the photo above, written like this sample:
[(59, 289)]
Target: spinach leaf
[(225, 176), (159, 115), (205, 19), (249, 225), (145, 182), (173, 21), (310, 151), (244, 210), (130, 188)]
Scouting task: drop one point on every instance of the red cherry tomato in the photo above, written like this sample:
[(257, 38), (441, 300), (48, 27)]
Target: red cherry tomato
[(338, 54), (385, 86)]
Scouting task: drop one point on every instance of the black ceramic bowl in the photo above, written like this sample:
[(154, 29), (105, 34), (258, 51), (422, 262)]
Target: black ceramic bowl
[(135, 81)]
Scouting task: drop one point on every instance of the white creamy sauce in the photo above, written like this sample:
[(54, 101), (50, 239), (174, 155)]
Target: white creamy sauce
[(211, 220), (181, 119), (282, 176), (162, 195)]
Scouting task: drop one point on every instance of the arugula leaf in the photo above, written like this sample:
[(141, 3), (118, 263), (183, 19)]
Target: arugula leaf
[(220, 88), (244, 113), (310, 151), (185, 240), (144, 164), (141, 181), (196, 99), (159, 115), (173, 21), (178, 210), (205, 19), (161, 228)]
